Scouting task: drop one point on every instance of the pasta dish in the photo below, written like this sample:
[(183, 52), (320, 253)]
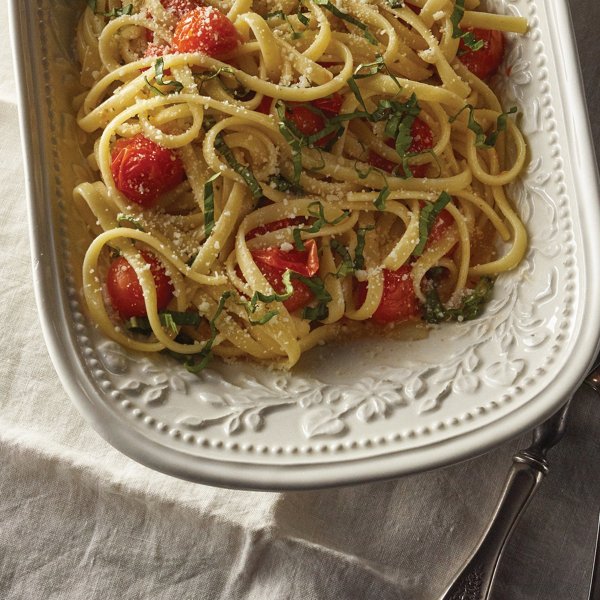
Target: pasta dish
[(270, 175)]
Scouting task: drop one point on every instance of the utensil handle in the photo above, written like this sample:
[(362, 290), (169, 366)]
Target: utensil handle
[(476, 576)]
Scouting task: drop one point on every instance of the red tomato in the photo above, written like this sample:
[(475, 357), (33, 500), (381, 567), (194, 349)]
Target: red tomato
[(422, 139), (483, 63), (330, 105), (265, 105), (157, 50), (440, 227), (308, 122), (205, 30), (415, 9), (275, 226), (274, 262), (398, 302), (143, 170), (125, 290), (181, 7)]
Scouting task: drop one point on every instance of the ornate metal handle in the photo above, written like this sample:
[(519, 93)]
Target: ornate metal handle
[(475, 579)]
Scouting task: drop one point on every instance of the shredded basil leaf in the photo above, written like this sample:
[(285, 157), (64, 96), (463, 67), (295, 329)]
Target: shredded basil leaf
[(316, 226), (396, 3), (481, 139), (346, 266), (209, 204), (159, 74), (359, 259), (334, 10), (281, 184), (295, 141), (301, 16), (427, 218), (242, 170), (168, 318), (467, 37), (381, 199), (129, 220), (118, 12), (322, 296), (470, 308)]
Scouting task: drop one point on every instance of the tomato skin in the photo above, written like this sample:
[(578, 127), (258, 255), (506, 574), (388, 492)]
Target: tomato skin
[(440, 227), (264, 106), (275, 226), (207, 31), (483, 63), (308, 122), (398, 301), (274, 262), (422, 139), (125, 291), (330, 105), (143, 171), (180, 7)]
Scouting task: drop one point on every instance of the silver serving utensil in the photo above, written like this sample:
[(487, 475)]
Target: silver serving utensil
[(474, 581)]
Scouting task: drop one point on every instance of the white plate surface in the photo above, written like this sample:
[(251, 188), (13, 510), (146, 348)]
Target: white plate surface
[(357, 411)]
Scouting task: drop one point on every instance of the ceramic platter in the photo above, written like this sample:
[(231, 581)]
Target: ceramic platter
[(351, 412)]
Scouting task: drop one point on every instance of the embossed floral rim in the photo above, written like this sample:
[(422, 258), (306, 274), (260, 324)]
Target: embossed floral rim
[(331, 462)]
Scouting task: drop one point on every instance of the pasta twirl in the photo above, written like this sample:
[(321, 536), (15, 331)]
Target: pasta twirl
[(271, 174)]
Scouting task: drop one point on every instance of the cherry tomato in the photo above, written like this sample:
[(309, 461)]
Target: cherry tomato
[(440, 227), (308, 122), (125, 291), (143, 170), (205, 30), (422, 139), (398, 301), (157, 50), (274, 262), (330, 105), (265, 105), (180, 7), (483, 63), (275, 226)]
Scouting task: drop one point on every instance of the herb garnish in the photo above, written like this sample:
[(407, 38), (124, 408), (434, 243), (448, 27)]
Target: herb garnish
[(209, 204), (471, 305), (467, 36), (481, 139), (242, 170), (334, 10), (317, 224), (427, 218), (159, 74)]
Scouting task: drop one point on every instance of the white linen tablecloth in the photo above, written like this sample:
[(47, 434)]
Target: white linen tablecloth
[(78, 520)]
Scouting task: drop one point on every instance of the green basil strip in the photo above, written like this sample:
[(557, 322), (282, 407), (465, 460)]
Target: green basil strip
[(122, 219), (198, 362), (381, 199), (322, 296), (471, 306), (468, 38), (168, 318), (349, 19), (281, 184), (289, 290), (292, 139), (243, 171), (117, 12), (159, 70), (346, 266), (359, 259), (209, 204), (481, 139), (427, 218), (317, 225), (396, 3), (301, 16)]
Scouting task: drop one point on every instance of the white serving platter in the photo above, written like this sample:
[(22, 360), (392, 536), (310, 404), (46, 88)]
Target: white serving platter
[(356, 411)]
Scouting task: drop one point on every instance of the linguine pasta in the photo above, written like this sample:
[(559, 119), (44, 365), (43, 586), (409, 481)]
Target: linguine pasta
[(325, 168)]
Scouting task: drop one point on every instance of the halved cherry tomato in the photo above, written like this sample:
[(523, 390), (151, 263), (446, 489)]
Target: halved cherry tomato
[(125, 291), (330, 105), (308, 122), (275, 226), (265, 105), (422, 139), (157, 50), (180, 7), (398, 302), (143, 170), (440, 227), (205, 30), (274, 262), (483, 63)]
